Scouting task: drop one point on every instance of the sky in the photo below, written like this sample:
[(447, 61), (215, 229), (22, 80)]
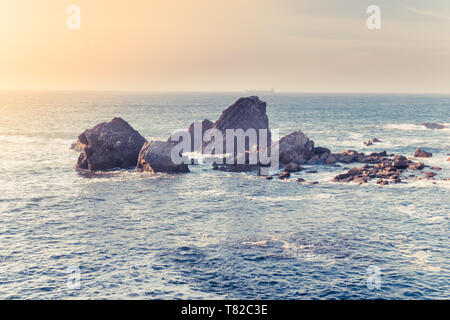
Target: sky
[(232, 45)]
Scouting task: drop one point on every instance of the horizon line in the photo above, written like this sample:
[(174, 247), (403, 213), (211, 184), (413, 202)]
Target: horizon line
[(224, 91)]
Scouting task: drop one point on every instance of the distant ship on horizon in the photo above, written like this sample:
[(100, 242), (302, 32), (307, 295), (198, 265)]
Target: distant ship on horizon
[(272, 90)]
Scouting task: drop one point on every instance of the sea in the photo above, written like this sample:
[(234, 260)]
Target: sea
[(208, 234)]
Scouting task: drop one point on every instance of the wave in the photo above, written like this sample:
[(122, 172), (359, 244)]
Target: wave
[(414, 127)]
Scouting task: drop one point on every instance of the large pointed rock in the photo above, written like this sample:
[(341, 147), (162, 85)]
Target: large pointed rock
[(156, 156), (245, 113), (113, 144)]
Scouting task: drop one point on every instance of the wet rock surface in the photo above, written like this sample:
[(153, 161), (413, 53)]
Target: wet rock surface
[(156, 156), (108, 145)]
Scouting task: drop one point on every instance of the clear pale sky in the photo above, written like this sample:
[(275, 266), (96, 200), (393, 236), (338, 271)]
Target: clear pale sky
[(228, 45)]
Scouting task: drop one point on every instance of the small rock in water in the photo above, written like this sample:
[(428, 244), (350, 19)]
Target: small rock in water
[(284, 175), (292, 167), (436, 168), (416, 166), (433, 125), (311, 171), (269, 177), (301, 180), (422, 154), (382, 182)]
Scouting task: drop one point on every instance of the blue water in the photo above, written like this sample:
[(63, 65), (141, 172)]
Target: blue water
[(210, 234)]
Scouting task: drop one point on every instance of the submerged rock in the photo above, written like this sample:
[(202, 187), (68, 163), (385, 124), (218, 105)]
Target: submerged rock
[(156, 156), (422, 154), (371, 141), (433, 125), (113, 144)]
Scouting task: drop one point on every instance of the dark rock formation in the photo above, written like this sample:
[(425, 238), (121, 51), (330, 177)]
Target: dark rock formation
[(156, 156), (433, 125), (295, 147), (422, 154), (113, 144), (245, 113)]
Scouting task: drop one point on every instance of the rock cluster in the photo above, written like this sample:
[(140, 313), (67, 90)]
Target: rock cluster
[(386, 170)]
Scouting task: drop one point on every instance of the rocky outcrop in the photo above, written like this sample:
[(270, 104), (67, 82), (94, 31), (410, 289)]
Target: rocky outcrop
[(156, 156), (295, 147), (113, 144), (384, 169), (433, 125), (245, 113), (422, 154)]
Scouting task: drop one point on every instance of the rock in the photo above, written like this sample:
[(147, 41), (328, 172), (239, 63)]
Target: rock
[(245, 113), (205, 125), (433, 125), (156, 156), (321, 153), (312, 182), (422, 154), (77, 146), (348, 156), (378, 154), (395, 179), (416, 166), (448, 159), (436, 168), (239, 168), (113, 144), (355, 172), (343, 177), (295, 147), (400, 163), (292, 167), (360, 180), (430, 174), (311, 171), (382, 182), (371, 141), (284, 175), (313, 160), (269, 177), (331, 159), (301, 180)]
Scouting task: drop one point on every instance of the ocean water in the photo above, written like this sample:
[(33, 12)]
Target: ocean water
[(213, 235)]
